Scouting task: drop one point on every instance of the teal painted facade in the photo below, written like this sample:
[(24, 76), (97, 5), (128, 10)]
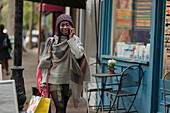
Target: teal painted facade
[(150, 98)]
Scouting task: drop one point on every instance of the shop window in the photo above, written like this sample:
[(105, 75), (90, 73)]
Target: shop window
[(131, 22), (166, 59)]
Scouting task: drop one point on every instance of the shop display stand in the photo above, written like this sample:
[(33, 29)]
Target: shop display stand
[(167, 37)]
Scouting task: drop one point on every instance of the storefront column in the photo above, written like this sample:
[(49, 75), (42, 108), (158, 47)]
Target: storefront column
[(156, 53)]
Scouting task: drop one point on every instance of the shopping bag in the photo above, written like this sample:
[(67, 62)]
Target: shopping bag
[(43, 106), (38, 104), (36, 92), (45, 92)]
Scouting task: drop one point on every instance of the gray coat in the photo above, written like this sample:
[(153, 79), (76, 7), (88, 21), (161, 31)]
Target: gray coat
[(67, 64), (59, 74)]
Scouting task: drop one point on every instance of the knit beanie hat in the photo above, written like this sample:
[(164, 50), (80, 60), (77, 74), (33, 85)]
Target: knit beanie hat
[(64, 17)]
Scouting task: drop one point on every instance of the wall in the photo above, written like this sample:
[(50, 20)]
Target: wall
[(90, 31), (87, 33)]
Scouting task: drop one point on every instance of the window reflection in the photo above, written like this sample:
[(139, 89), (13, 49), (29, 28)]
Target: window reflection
[(131, 23), (166, 59)]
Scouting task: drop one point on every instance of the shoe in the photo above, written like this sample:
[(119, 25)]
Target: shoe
[(7, 73)]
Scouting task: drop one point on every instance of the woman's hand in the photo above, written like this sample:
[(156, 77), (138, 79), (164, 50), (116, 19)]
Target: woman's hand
[(72, 32), (43, 87), (12, 52)]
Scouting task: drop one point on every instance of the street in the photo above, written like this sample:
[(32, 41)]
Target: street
[(29, 62)]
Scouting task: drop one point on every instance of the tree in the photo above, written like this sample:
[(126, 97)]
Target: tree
[(31, 26), (4, 12), (1, 6), (11, 17), (26, 15)]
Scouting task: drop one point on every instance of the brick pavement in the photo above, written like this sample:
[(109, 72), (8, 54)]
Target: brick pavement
[(29, 62)]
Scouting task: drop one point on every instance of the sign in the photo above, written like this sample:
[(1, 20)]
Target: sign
[(143, 14), (8, 98), (124, 13)]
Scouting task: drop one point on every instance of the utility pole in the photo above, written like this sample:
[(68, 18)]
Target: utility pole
[(17, 69)]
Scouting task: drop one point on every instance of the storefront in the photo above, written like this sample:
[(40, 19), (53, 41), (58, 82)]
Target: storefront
[(132, 32)]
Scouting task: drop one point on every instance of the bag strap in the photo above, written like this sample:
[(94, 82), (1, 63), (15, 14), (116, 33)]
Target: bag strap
[(38, 93), (51, 46), (48, 76)]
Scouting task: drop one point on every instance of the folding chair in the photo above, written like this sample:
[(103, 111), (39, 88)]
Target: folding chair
[(127, 88), (90, 87), (166, 91), (91, 91)]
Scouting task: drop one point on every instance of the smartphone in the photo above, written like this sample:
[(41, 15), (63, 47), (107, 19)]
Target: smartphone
[(69, 31)]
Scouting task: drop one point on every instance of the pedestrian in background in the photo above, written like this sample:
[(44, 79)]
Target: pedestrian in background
[(64, 57), (4, 49)]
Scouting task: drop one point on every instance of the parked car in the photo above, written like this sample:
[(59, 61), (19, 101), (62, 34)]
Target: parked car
[(35, 34)]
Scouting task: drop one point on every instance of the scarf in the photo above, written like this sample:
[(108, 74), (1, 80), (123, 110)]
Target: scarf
[(78, 72)]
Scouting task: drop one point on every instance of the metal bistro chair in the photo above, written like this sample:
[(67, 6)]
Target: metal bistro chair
[(128, 87), (92, 89), (166, 91)]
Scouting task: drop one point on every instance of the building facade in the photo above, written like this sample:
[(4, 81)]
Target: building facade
[(132, 32)]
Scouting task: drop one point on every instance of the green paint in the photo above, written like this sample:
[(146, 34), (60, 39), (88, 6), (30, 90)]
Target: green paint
[(138, 8), (140, 18), (145, 16), (127, 17)]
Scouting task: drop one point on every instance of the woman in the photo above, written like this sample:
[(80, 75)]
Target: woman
[(64, 58), (4, 54)]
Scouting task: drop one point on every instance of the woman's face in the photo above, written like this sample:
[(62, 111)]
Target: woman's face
[(64, 28)]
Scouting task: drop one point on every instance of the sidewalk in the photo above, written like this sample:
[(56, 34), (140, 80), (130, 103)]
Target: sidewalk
[(29, 62)]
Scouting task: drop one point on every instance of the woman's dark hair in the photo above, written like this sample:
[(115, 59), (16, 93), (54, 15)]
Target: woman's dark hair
[(1, 27)]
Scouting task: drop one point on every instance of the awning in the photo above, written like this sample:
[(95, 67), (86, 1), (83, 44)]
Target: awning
[(69, 3), (51, 8)]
